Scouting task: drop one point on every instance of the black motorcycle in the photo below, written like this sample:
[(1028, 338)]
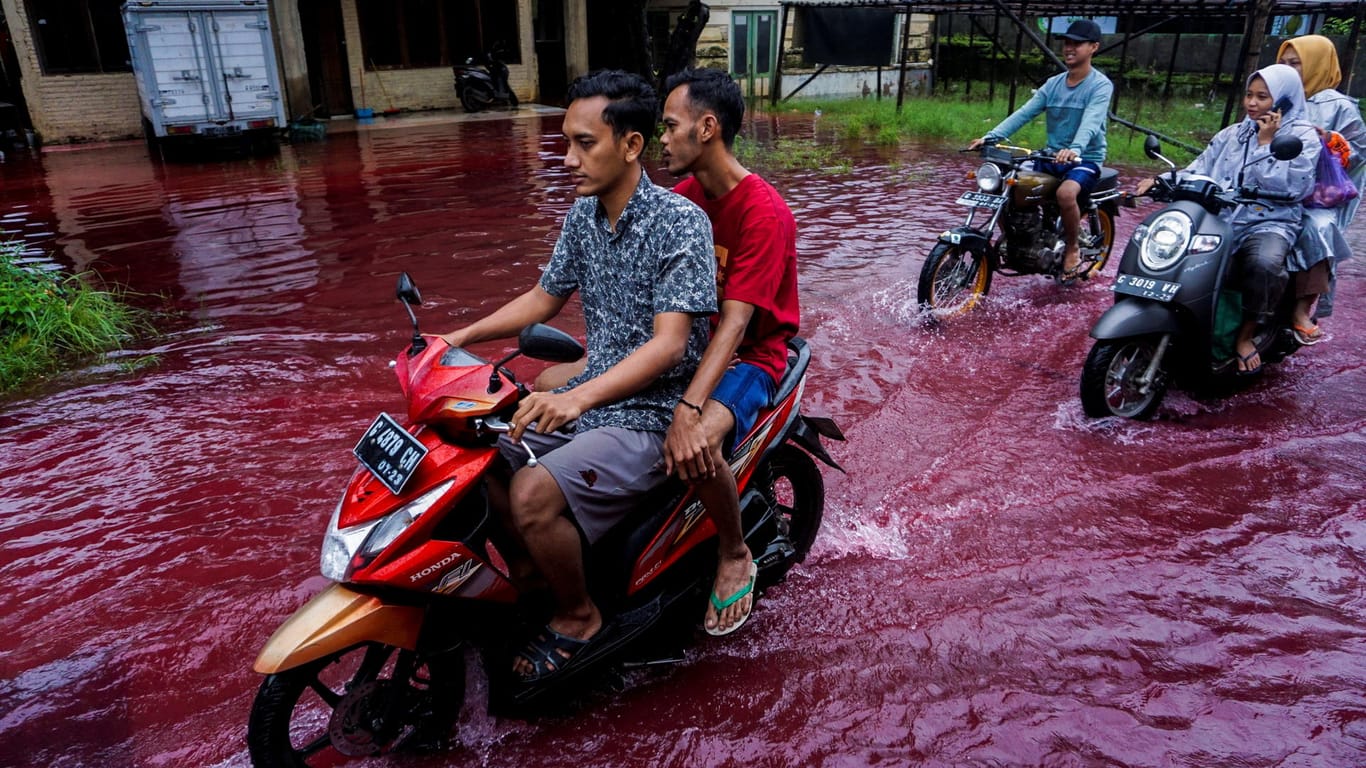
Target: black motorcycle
[(957, 273), (483, 83), (1175, 318)]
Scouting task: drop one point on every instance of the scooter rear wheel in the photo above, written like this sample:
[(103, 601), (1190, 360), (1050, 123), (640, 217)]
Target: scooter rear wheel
[(953, 280), (1109, 380), (475, 97), (795, 487), (339, 706)]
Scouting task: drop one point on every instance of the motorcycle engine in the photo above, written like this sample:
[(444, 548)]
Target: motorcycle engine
[(1033, 247)]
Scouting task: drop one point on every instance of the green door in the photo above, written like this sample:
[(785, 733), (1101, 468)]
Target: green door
[(753, 49)]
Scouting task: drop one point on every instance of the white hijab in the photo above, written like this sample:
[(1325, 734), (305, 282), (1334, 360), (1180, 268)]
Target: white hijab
[(1284, 82)]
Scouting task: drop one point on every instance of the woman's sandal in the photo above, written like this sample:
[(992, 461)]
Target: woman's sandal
[(1246, 360), (1307, 336)]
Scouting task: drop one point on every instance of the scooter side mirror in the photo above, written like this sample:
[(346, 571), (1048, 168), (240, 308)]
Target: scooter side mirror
[(1151, 147), (407, 291), (1286, 147), (551, 344)]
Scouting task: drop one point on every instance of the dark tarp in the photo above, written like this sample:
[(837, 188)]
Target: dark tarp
[(861, 37)]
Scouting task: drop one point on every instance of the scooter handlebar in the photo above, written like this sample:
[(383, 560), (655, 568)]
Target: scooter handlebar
[(1249, 194)]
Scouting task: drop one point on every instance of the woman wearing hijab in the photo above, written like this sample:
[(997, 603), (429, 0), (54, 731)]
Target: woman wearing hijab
[(1263, 231), (1321, 244)]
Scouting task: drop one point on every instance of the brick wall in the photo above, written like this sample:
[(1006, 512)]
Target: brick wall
[(70, 108), (430, 88), (66, 108)]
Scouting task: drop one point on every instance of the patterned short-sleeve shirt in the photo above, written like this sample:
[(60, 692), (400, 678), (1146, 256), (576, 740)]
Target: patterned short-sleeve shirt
[(659, 259)]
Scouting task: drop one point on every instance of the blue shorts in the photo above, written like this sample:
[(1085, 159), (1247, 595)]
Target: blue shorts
[(1085, 173), (745, 390)]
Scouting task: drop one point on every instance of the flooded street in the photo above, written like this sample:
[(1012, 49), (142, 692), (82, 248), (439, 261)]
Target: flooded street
[(999, 580)]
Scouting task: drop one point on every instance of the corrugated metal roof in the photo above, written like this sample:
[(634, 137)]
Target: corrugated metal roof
[(1194, 8)]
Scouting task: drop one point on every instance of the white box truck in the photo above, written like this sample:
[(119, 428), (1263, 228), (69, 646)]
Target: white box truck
[(205, 69)]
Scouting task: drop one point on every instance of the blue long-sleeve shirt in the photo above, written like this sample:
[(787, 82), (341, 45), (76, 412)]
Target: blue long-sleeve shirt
[(1076, 115)]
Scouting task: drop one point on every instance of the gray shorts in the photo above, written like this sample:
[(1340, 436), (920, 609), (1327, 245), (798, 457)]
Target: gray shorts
[(603, 472)]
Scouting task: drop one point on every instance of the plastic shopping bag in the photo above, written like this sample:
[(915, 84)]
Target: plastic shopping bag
[(1333, 187)]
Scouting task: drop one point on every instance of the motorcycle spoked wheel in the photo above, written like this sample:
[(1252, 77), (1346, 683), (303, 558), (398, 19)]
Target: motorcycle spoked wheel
[(953, 280), (475, 97), (796, 489), (1103, 225), (338, 706), (1109, 379)]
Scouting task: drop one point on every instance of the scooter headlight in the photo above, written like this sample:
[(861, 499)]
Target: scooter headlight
[(396, 522), (989, 178), (345, 549), (340, 544), (1165, 240)]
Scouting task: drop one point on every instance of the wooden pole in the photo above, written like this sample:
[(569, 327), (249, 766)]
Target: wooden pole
[(901, 59), (1019, 45), (782, 44), (1352, 45)]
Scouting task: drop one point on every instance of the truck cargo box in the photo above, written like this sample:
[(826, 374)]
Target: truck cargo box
[(205, 68)]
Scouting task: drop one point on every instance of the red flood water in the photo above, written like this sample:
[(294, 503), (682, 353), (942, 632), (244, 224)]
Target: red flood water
[(1000, 580)]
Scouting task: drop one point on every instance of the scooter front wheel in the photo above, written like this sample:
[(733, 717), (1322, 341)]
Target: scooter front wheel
[(1111, 381), (953, 280), (366, 700)]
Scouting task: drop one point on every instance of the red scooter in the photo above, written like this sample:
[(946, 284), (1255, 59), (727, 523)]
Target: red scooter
[(376, 662)]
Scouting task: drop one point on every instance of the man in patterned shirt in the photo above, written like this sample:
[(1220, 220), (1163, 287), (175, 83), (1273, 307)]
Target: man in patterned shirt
[(640, 258)]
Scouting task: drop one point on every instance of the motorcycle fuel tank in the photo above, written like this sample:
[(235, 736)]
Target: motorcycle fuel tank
[(1032, 188)]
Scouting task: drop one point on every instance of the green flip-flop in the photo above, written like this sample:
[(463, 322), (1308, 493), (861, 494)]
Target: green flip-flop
[(721, 605)]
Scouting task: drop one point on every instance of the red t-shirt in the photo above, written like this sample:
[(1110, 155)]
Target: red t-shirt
[(756, 262)]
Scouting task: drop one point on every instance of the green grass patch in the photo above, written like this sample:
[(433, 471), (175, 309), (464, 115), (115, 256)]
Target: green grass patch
[(789, 154), (51, 321), (954, 119)]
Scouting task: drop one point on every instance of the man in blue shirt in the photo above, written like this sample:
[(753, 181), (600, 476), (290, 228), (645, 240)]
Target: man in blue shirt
[(1076, 102)]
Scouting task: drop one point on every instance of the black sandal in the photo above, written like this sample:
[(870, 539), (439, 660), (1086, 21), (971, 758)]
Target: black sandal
[(549, 653)]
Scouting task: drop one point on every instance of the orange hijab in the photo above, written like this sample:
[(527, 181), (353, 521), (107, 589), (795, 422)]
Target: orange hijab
[(1318, 62)]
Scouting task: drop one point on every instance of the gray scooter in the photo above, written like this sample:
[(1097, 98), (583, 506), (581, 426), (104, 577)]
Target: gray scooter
[(1174, 318)]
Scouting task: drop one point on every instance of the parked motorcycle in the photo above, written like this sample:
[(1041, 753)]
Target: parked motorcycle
[(1174, 319), (376, 661), (957, 273), (483, 83)]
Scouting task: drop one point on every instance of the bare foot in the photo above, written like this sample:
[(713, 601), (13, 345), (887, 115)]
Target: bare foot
[(1071, 260), (733, 576), (1248, 359)]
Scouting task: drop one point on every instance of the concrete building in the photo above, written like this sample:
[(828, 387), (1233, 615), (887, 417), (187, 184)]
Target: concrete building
[(64, 68), (67, 72), (741, 37)]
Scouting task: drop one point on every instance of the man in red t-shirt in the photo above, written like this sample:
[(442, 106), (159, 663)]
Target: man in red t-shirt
[(756, 276)]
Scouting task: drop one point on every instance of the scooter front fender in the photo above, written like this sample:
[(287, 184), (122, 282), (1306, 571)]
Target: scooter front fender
[(334, 620), (1135, 317)]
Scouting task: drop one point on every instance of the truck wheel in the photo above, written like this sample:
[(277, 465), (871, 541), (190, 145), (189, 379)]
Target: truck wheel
[(153, 143)]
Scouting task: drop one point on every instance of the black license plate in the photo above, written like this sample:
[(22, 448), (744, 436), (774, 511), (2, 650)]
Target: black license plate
[(1146, 287), (390, 453), (982, 200)]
